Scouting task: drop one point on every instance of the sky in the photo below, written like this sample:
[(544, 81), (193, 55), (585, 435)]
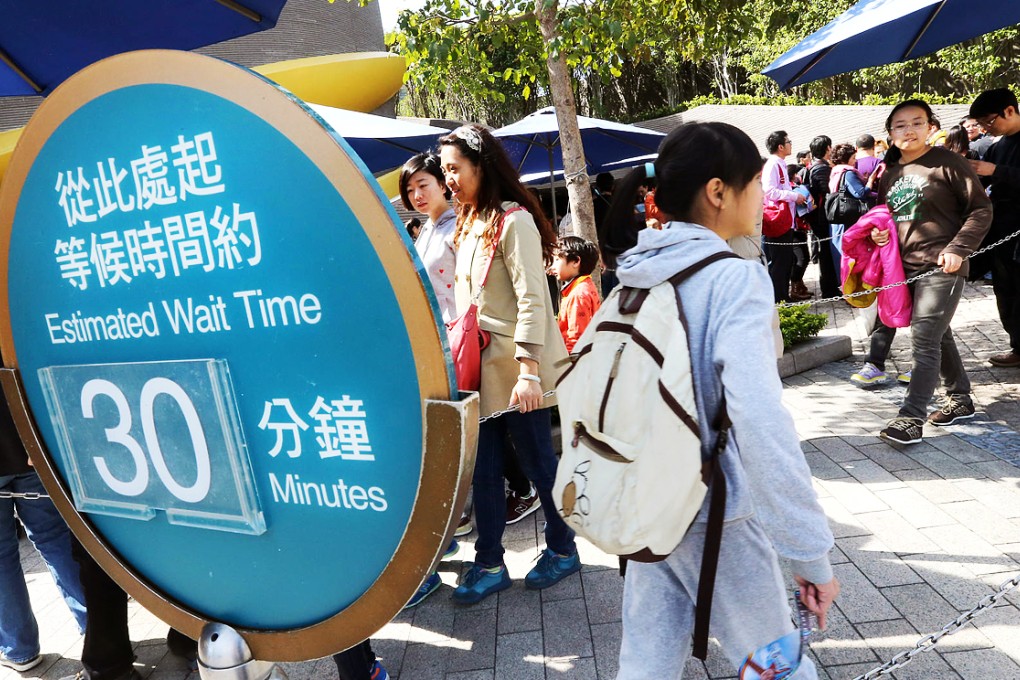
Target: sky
[(390, 8)]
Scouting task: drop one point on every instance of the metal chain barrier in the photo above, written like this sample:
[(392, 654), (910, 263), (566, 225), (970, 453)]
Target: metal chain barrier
[(872, 291), (28, 495), (512, 409), (928, 642), (799, 243)]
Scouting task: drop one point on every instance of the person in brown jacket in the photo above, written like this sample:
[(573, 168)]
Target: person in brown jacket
[(524, 357), (942, 213)]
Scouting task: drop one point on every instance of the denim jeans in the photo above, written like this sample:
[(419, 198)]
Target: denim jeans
[(932, 343), (531, 434), (19, 631)]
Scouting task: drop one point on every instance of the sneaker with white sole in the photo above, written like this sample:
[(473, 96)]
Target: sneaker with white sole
[(953, 408), (903, 378), (869, 375), (903, 430), (518, 507), (464, 527), (20, 666)]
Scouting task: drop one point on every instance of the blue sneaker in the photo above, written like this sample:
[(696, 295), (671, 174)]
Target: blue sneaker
[(551, 569), (478, 583), (452, 550), (430, 586), (378, 672)]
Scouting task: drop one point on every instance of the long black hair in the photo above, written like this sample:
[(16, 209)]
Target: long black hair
[(892, 156), (498, 182), (429, 162), (689, 157)]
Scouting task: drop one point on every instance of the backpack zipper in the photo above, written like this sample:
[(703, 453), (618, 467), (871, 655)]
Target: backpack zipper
[(609, 384), (600, 447)]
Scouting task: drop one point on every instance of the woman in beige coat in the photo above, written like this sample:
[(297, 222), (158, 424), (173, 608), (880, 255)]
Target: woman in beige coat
[(524, 358)]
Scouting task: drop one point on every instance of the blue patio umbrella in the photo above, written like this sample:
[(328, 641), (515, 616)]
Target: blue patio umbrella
[(43, 42), (533, 144), (382, 143), (876, 32)]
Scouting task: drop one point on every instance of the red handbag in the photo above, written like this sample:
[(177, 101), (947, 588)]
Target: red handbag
[(467, 339), (776, 219)]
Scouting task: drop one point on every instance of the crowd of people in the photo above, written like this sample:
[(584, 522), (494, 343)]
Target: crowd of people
[(946, 194), (485, 240)]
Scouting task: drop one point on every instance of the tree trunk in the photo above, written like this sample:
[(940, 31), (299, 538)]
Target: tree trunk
[(578, 190)]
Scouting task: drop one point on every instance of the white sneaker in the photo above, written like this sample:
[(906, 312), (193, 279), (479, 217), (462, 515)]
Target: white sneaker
[(22, 666)]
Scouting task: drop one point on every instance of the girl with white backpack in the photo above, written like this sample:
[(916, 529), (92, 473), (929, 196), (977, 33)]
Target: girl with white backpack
[(709, 185)]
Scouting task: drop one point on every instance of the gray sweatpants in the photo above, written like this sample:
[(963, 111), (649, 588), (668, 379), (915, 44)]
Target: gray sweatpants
[(749, 610)]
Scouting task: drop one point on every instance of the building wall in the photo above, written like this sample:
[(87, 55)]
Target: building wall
[(802, 123), (306, 28)]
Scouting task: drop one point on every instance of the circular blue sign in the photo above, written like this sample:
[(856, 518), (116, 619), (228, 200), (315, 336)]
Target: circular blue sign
[(223, 336)]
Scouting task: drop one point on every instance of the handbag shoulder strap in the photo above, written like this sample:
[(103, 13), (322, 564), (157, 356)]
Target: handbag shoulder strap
[(495, 244)]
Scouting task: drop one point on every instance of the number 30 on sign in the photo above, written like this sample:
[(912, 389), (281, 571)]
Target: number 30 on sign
[(165, 435)]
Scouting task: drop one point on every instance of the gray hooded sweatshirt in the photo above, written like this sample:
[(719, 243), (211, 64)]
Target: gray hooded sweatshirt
[(728, 306)]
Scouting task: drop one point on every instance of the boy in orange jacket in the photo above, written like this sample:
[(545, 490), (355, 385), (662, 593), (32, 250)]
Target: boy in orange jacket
[(573, 263)]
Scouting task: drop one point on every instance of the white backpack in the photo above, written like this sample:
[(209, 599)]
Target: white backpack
[(632, 477)]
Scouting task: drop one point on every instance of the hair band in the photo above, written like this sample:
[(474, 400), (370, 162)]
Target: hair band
[(470, 137), (650, 170)]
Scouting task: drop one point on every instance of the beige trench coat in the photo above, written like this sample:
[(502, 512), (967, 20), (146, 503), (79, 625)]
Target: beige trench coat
[(515, 307)]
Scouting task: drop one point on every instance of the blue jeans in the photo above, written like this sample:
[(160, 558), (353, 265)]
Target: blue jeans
[(932, 343), (531, 434), (19, 631)]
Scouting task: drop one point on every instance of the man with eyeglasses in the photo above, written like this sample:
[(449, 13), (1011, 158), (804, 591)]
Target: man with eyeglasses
[(997, 111)]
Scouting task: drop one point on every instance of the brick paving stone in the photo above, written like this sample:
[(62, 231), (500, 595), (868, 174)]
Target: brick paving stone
[(881, 566), (893, 637), (520, 610), (515, 656), (853, 495), (951, 579), (982, 664), (605, 638), (823, 467), (1001, 625), (917, 510), (603, 593), (896, 533), (941, 463), (933, 486), (837, 449), (978, 555), (1000, 497), (842, 522), (983, 521), (889, 458), (479, 626), (840, 643), (868, 603), (471, 675), (566, 629), (928, 612), (961, 450), (873, 475)]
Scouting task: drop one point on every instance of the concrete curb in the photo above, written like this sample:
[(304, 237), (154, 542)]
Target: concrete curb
[(813, 353)]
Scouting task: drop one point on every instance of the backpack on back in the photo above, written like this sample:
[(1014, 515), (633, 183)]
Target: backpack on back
[(632, 477)]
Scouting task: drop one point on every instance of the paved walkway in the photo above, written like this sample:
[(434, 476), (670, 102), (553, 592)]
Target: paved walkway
[(922, 534)]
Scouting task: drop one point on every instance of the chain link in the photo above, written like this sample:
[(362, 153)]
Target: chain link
[(799, 243), (512, 409), (928, 642), (871, 291), (28, 495)]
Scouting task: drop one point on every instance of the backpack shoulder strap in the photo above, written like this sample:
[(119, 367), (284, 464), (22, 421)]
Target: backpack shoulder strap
[(693, 269), (631, 299)]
